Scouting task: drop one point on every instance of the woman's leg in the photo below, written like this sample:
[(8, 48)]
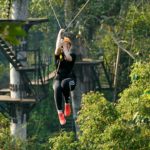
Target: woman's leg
[(67, 85), (58, 101), (57, 94)]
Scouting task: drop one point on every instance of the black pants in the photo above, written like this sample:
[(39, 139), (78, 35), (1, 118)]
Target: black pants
[(62, 88)]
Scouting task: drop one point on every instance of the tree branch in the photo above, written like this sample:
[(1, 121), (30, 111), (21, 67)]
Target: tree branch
[(122, 48)]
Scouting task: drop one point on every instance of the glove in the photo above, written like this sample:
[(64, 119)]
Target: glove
[(61, 31), (59, 39)]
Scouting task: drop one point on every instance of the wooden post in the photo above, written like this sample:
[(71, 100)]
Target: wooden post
[(116, 74), (18, 127)]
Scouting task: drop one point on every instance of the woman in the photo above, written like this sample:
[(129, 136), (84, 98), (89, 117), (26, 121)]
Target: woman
[(65, 80)]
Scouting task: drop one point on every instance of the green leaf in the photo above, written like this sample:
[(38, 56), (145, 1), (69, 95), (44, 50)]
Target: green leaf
[(12, 32)]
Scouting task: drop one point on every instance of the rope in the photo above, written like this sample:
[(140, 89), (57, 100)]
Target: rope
[(55, 14), (77, 14)]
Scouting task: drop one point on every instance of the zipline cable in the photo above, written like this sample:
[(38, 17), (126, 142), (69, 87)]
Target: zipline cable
[(72, 19), (55, 14), (77, 15)]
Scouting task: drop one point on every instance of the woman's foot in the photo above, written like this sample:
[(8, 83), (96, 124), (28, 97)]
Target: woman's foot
[(67, 110), (61, 117)]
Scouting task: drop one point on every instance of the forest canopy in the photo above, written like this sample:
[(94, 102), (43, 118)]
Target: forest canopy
[(104, 29)]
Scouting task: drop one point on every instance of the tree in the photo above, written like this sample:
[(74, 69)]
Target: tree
[(97, 28), (124, 125)]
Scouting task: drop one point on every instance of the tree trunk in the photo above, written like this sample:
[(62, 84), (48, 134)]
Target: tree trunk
[(68, 9), (18, 127)]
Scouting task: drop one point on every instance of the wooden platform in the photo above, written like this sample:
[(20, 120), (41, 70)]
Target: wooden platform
[(45, 79), (88, 62), (27, 69), (4, 91), (13, 100), (30, 20), (52, 74), (27, 23)]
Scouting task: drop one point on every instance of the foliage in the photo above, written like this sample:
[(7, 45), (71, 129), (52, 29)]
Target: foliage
[(6, 141), (44, 35), (43, 122), (136, 118), (131, 130), (1, 69), (9, 143), (11, 31), (105, 125), (63, 141), (4, 131), (3, 8), (130, 35), (4, 76), (96, 114), (136, 25)]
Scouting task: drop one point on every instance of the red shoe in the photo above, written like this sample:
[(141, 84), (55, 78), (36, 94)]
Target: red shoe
[(61, 117), (67, 110)]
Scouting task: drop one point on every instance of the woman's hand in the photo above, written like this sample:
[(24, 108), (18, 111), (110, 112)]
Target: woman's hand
[(59, 42), (66, 49), (61, 31)]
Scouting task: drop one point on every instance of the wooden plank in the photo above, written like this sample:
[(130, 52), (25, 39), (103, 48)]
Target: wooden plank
[(28, 69), (38, 82), (45, 79), (4, 91), (22, 100), (52, 74), (30, 20), (89, 62), (33, 21)]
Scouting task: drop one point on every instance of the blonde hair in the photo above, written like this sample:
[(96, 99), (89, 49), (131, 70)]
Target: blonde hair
[(66, 39)]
